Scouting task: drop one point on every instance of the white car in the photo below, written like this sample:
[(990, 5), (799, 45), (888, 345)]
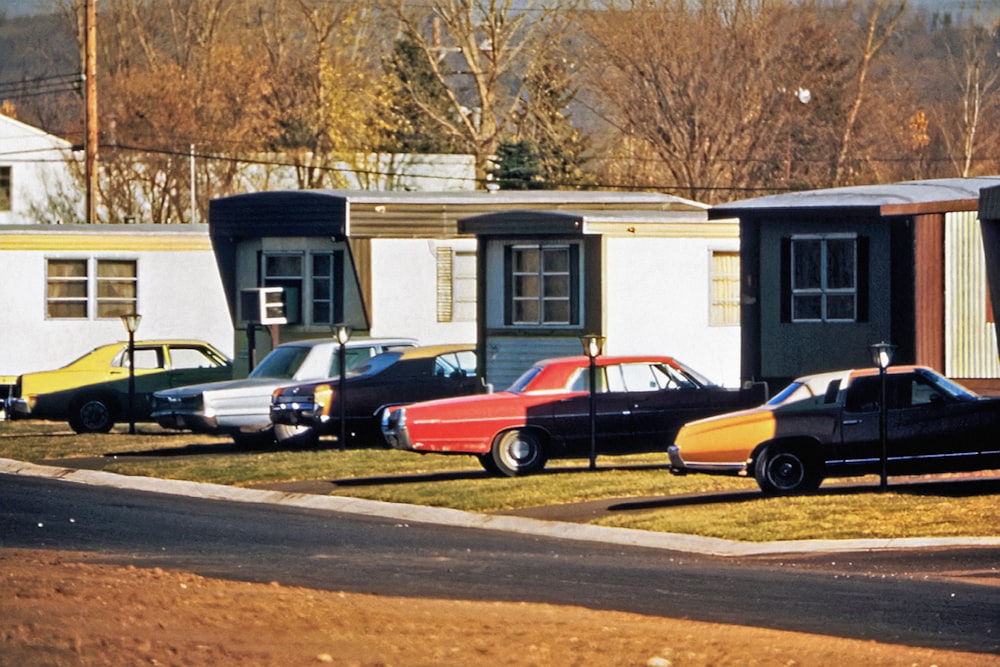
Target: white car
[(241, 408)]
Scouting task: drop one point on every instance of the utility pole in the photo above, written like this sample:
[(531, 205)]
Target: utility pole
[(90, 77)]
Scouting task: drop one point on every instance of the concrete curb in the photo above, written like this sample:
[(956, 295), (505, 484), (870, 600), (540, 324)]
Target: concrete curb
[(449, 517)]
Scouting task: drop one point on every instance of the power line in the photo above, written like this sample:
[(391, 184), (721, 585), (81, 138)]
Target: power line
[(46, 85)]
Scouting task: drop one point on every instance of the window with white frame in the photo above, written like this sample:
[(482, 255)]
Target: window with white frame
[(6, 193), (824, 278), (84, 288), (725, 290), (311, 281), (542, 284)]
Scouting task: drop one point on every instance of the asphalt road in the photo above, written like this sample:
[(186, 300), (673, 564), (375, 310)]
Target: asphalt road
[(897, 597)]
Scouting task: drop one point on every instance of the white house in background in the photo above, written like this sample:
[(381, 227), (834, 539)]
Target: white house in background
[(63, 288), (36, 184)]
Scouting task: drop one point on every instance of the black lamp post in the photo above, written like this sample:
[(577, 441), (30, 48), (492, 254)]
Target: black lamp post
[(593, 345), (882, 356), (131, 322), (343, 335)]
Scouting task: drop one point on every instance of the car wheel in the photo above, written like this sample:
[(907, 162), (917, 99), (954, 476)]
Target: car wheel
[(518, 452), (486, 460), (254, 439), (288, 435), (92, 414), (783, 470)]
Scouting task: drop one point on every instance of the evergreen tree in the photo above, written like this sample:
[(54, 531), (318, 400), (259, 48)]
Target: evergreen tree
[(559, 147), (418, 100), (518, 166)]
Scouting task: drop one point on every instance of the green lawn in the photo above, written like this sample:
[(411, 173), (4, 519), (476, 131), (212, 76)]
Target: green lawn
[(732, 510)]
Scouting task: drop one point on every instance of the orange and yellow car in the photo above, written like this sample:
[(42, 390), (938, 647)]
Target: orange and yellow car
[(829, 425)]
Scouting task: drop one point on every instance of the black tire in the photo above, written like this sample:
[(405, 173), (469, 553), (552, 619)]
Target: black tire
[(92, 414), (486, 460), (289, 435), (518, 452), (783, 471)]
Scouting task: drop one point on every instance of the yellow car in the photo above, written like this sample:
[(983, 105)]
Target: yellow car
[(92, 393)]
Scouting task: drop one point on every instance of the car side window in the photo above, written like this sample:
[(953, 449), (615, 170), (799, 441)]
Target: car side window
[(455, 365), (922, 393), (863, 394), (189, 357), (641, 377), (581, 380)]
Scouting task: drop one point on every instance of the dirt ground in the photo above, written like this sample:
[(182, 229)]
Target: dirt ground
[(59, 609)]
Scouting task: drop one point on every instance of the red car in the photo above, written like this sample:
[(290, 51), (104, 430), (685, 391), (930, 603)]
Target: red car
[(640, 403)]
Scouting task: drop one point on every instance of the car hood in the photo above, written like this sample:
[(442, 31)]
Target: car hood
[(246, 386)]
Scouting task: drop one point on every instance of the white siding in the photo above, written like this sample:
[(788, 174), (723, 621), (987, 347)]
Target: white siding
[(180, 295), (404, 291), (658, 301)]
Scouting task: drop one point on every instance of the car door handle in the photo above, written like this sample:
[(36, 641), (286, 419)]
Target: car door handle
[(852, 422)]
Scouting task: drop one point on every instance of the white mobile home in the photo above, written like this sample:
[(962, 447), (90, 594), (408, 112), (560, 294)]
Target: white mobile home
[(651, 273), (65, 286)]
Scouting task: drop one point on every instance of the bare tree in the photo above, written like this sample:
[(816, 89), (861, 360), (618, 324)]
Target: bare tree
[(722, 94), (478, 51), (881, 21), (975, 69)]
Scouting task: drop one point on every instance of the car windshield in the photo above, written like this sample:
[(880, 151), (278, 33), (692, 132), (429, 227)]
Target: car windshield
[(282, 362), (947, 386), (522, 382), (796, 391), (694, 378)]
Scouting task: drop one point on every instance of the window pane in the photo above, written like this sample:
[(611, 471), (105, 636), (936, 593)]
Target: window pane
[(67, 290), (116, 288), (322, 265), (557, 286), (5, 189), (63, 268), (526, 312), (525, 286), (283, 266), (807, 307), (115, 269), (840, 307), (557, 260), (807, 269), (556, 312), (322, 313), (840, 269), (526, 260), (67, 309)]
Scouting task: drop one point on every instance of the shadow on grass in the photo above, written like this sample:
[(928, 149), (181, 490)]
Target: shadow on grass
[(952, 487), (452, 475)]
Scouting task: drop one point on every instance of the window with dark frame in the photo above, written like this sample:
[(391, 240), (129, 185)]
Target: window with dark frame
[(311, 281), (824, 278), (542, 284)]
